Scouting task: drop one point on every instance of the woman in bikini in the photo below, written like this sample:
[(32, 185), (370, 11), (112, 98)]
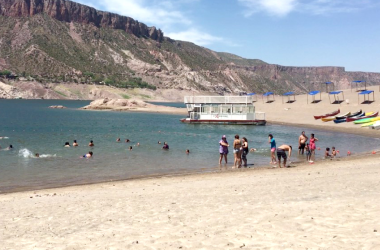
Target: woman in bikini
[(237, 151)]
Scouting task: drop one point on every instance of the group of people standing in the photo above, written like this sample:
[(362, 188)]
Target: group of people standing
[(240, 150)]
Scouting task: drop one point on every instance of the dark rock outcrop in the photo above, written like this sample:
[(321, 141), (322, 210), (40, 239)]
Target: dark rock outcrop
[(68, 11)]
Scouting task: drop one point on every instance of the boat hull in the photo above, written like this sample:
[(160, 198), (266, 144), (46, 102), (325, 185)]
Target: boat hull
[(226, 122), (327, 115)]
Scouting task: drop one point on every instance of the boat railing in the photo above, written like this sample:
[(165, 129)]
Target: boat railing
[(218, 99), (260, 115)]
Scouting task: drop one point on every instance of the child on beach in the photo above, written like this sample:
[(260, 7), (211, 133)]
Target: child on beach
[(272, 143), (308, 152), (333, 152)]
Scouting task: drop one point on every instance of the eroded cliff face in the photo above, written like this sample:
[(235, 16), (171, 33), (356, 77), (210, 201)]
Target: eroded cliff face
[(68, 11)]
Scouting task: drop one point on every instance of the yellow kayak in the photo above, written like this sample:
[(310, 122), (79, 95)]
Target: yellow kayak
[(327, 119), (369, 113), (373, 121), (368, 124)]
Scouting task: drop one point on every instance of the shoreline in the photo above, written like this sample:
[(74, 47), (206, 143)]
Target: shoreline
[(210, 171)]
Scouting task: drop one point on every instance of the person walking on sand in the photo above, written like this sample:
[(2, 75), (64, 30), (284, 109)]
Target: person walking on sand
[(302, 143), (312, 146), (237, 151), (223, 149), (281, 152), (272, 143)]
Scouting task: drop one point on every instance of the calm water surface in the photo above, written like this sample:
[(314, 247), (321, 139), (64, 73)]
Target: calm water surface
[(34, 128)]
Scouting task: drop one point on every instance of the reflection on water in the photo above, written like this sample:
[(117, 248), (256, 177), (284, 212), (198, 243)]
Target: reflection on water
[(33, 128)]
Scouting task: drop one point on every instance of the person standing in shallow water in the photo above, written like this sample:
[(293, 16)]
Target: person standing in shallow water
[(244, 151), (237, 151), (312, 146), (302, 143), (272, 143), (223, 149)]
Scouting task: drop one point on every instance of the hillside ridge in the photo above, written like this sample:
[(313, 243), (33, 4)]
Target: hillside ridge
[(55, 42), (68, 11)]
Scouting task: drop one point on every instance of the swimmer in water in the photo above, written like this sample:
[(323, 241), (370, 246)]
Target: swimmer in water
[(75, 144), (127, 140), (130, 148), (159, 142), (9, 148), (88, 155), (37, 155), (91, 144), (166, 146), (187, 151), (138, 144), (67, 144), (118, 140)]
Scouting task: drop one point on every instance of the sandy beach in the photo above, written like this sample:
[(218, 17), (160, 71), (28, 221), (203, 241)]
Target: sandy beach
[(327, 205)]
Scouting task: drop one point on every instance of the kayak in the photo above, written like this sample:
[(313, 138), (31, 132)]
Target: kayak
[(327, 115), (356, 113), (343, 116), (327, 119), (369, 113), (368, 124), (355, 118), (340, 120), (366, 120)]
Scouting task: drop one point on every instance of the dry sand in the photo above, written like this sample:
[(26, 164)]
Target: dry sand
[(328, 205)]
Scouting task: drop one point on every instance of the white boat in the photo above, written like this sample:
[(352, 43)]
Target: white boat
[(222, 110)]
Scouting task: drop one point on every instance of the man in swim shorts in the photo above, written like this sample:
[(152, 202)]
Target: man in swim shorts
[(281, 153), (302, 143)]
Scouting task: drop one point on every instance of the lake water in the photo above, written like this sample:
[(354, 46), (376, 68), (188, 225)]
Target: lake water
[(34, 128)]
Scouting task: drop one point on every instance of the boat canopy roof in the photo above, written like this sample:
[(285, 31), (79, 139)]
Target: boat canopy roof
[(288, 93), (218, 99), (314, 92), (251, 94)]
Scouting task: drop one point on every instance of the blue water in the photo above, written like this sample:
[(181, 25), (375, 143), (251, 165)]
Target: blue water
[(34, 128)]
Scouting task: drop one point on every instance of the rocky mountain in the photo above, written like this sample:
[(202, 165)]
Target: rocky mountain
[(59, 41)]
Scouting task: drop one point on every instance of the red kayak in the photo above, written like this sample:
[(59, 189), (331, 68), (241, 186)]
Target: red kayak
[(350, 119), (326, 115)]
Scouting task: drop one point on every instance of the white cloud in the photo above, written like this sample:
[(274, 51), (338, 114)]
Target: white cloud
[(195, 36), (273, 7), (158, 13), (316, 7)]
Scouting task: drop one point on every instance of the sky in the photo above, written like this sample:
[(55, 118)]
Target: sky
[(342, 33)]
